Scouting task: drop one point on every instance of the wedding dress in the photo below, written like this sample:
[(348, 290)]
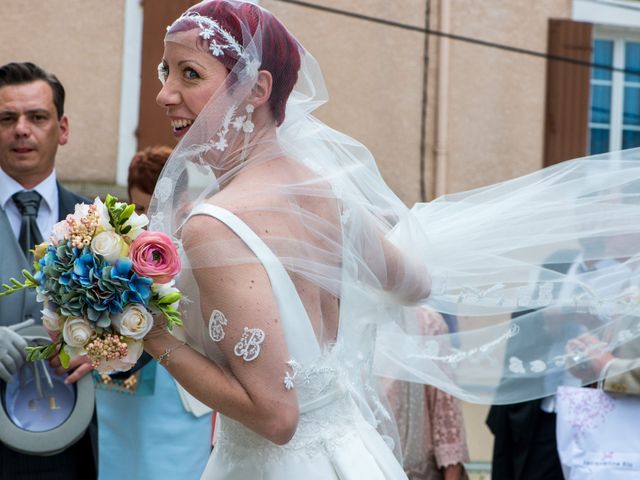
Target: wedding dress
[(333, 440)]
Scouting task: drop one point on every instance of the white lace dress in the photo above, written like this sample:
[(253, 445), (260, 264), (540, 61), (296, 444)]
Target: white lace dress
[(333, 440)]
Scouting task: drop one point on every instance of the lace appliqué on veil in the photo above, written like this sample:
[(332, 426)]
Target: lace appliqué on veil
[(238, 122), (249, 345), (221, 144), (538, 295), (164, 189), (431, 349), (217, 322)]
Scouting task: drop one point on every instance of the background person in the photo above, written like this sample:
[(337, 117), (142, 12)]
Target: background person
[(430, 424), (138, 407), (32, 126)]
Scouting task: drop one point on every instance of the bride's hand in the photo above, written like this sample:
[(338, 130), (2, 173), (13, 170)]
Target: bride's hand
[(159, 330), (159, 341)]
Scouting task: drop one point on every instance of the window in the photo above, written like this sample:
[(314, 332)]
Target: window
[(614, 117)]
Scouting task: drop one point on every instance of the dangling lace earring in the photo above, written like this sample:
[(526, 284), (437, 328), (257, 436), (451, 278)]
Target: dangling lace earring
[(247, 128)]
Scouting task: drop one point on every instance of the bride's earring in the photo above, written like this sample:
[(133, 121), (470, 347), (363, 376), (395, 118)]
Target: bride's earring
[(247, 128)]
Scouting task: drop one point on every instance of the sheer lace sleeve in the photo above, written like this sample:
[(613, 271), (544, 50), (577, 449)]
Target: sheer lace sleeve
[(447, 424), (444, 411), (430, 422)]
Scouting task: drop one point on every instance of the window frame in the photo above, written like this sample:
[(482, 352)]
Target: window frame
[(616, 121)]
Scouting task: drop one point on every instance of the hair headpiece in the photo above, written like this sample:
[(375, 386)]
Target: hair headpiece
[(212, 31)]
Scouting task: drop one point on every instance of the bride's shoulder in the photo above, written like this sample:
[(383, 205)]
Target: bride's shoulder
[(257, 198), (258, 211)]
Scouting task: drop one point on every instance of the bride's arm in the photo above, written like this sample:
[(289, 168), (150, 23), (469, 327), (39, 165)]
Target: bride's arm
[(252, 390), (406, 277), (400, 271)]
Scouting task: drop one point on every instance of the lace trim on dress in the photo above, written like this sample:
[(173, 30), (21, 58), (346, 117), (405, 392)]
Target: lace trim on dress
[(451, 454), (326, 421), (320, 432)]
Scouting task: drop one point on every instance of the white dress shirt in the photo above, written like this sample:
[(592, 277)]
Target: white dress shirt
[(49, 208)]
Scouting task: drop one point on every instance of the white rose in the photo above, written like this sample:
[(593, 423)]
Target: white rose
[(109, 245), (77, 332), (134, 351), (137, 224), (74, 352), (51, 320), (103, 214), (135, 321)]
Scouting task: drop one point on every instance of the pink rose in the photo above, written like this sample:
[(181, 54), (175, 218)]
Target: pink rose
[(155, 256)]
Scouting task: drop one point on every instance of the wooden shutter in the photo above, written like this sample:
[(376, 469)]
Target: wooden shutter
[(153, 127), (567, 103)]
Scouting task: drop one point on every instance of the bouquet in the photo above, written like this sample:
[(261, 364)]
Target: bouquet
[(101, 276)]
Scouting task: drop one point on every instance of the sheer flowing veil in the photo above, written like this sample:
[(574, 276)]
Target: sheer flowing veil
[(542, 273), (529, 267)]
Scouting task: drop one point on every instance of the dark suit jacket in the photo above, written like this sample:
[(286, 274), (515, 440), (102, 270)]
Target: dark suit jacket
[(22, 305), (80, 460), (525, 446)]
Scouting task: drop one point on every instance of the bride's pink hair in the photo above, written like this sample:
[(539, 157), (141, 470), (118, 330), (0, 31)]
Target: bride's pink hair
[(280, 51)]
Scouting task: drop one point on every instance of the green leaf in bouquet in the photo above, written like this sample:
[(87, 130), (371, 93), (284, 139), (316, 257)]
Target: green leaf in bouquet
[(41, 352), (126, 213), (50, 350), (110, 202), (64, 358), (16, 285), (28, 276), (172, 316), (125, 229), (34, 353), (170, 298)]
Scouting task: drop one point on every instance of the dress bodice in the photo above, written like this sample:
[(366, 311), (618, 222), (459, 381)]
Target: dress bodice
[(327, 416), (331, 432), (316, 375)]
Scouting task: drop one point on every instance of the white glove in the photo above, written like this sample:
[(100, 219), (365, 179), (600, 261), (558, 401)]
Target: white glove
[(12, 353)]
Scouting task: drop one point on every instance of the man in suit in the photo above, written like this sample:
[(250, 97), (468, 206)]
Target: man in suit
[(525, 446), (32, 126)]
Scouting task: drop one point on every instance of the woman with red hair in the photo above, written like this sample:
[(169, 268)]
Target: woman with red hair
[(146, 403)]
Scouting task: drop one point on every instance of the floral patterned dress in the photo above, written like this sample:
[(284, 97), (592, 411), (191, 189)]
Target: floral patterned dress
[(430, 423)]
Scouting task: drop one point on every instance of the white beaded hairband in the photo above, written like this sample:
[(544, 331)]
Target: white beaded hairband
[(209, 28)]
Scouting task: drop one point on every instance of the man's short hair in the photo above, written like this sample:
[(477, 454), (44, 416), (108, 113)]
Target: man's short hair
[(17, 73)]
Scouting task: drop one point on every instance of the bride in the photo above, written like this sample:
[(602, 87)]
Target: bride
[(305, 274), (262, 242)]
